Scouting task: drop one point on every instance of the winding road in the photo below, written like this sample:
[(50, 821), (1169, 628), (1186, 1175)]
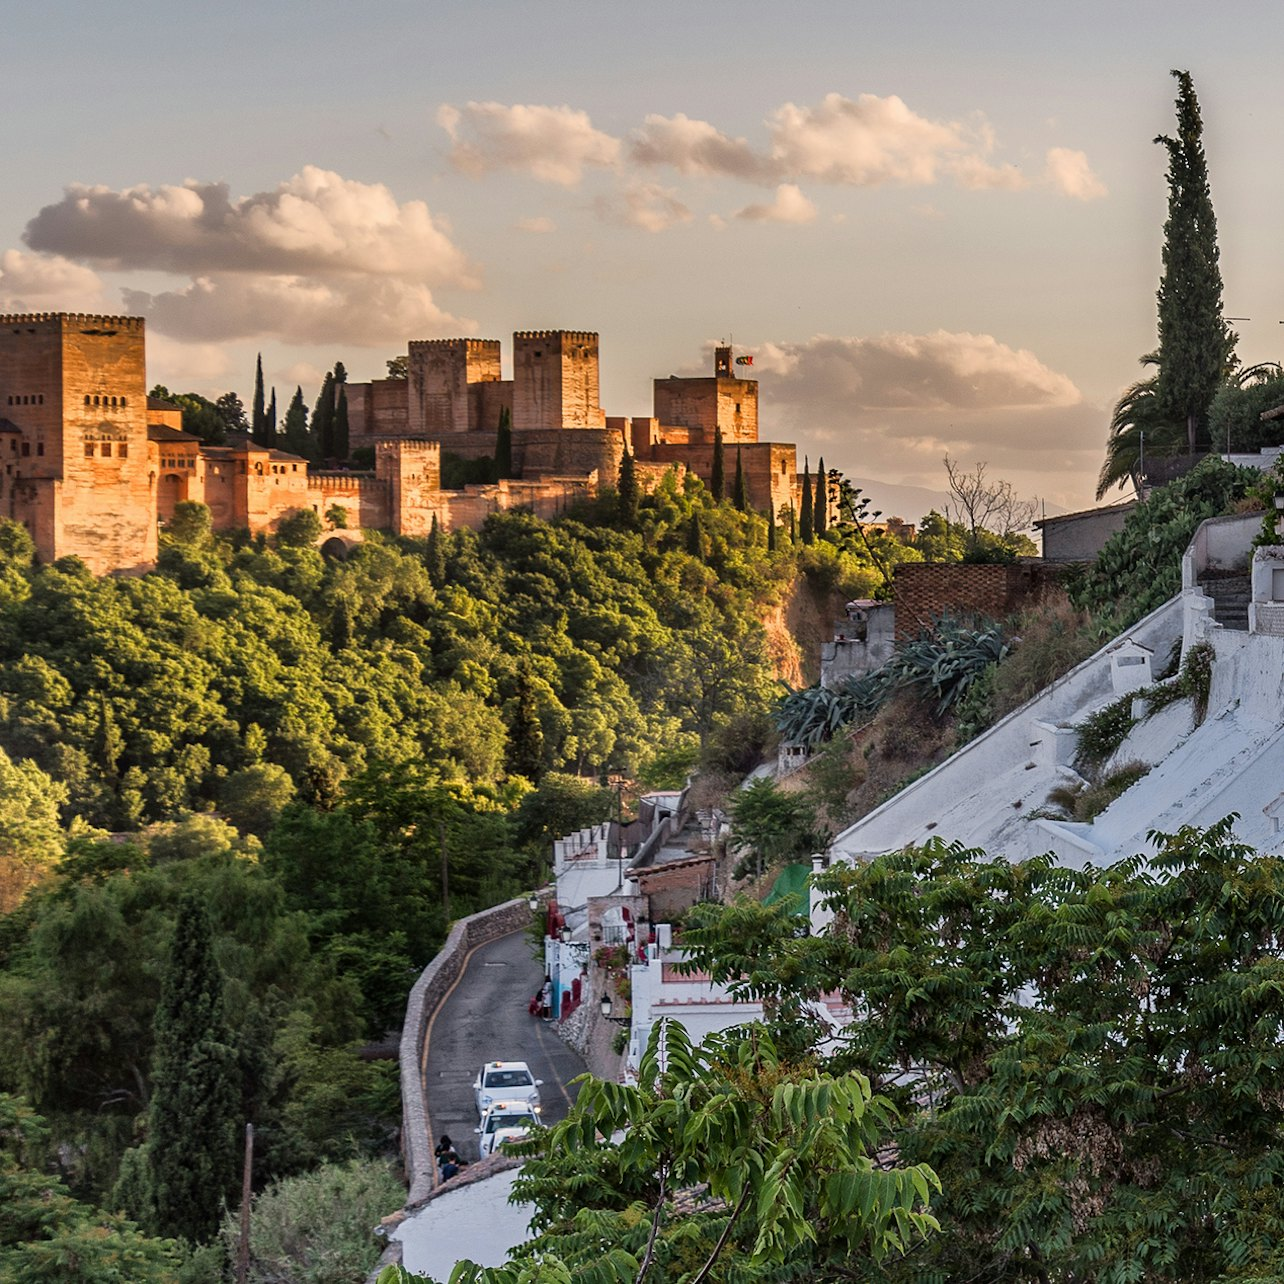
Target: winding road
[(484, 1018)]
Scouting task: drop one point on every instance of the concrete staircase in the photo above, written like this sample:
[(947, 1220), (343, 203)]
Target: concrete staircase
[(1231, 592)]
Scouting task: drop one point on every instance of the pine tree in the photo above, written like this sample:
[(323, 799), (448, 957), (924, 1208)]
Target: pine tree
[(717, 474), (504, 445), (341, 426), (738, 495), (258, 419), (296, 438), (1196, 349), (435, 554), (192, 1121), (322, 432), (270, 427), (628, 491), (820, 503), (805, 529)]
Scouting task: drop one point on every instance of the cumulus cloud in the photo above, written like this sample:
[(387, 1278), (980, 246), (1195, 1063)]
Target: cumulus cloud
[(941, 370), (697, 147), (894, 405), (314, 223), (1069, 172), (555, 144), (976, 174), (44, 283), (643, 205), (789, 206), (367, 311), (186, 365)]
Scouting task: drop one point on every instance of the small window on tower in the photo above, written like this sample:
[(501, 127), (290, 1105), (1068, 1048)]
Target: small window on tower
[(26, 448), (40, 448), (123, 403), (106, 450), (87, 401), (41, 398), (89, 450), (124, 449)]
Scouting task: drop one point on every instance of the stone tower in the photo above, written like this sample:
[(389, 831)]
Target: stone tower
[(446, 378), (73, 393), (411, 469), (555, 380)]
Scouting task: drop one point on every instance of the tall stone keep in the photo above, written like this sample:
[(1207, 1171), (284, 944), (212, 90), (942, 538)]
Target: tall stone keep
[(446, 385), (555, 380), (703, 405), (411, 469), (73, 397)]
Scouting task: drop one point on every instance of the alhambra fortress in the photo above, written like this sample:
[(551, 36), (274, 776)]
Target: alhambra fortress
[(91, 466)]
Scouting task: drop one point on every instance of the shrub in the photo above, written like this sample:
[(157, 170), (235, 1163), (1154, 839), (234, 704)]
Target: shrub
[(1101, 734)]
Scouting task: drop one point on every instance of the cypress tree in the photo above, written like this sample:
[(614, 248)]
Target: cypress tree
[(739, 498), (258, 416), (192, 1117), (771, 531), (504, 445), (695, 538), (295, 429), (526, 734), (1195, 346), (322, 431), (435, 554), (270, 427), (820, 504), (628, 491), (793, 523), (717, 474), (805, 528), (341, 426)]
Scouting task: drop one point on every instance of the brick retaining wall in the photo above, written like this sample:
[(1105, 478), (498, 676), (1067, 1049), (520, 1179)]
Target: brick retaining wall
[(924, 591)]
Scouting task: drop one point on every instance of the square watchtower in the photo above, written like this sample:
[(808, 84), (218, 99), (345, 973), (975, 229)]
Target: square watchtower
[(555, 380)]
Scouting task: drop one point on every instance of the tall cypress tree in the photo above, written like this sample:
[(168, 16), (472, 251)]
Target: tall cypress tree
[(805, 528), (1195, 345), (820, 503), (525, 732), (771, 531), (295, 437), (628, 491), (793, 523), (738, 495), (258, 416), (192, 1121), (504, 445), (717, 473), (322, 431), (435, 554), (341, 426), (695, 538), (270, 433)]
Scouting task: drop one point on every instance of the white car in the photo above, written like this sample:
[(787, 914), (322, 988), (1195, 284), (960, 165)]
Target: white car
[(506, 1121), (505, 1081)]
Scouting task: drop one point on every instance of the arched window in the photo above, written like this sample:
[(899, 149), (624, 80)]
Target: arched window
[(87, 401), (123, 403)]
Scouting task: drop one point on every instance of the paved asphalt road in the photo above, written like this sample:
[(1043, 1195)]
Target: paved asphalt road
[(484, 1018)]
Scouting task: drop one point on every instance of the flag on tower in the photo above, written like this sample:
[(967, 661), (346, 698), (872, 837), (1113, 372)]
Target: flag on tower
[(744, 361)]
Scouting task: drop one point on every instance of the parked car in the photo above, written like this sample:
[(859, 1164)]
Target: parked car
[(505, 1121), (505, 1081)]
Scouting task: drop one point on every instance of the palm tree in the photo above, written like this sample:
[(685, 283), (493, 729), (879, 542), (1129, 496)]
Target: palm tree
[(1138, 428)]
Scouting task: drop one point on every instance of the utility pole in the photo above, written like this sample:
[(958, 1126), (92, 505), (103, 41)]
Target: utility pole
[(243, 1246)]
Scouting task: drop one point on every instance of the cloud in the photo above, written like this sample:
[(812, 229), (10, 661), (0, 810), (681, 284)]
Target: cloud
[(643, 205), (43, 283), (186, 366), (366, 311), (893, 405), (555, 144), (976, 174), (936, 371), (865, 141), (315, 223), (789, 206), (539, 226), (1069, 172), (697, 147)]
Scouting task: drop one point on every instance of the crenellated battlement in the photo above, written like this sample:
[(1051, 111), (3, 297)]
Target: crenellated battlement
[(396, 445), (73, 318), (570, 336), (345, 483), (465, 345)]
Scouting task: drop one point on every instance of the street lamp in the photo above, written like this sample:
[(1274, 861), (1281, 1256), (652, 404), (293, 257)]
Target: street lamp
[(565, 935), (533, 902), (606, 1012)]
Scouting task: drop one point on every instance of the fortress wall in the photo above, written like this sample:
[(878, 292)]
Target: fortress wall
[(379, 408), (765, 484), (365, 498), (269, 490), (556, 451), (487, 403)]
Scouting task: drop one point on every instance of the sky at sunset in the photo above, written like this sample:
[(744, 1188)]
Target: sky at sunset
[(936, 226)]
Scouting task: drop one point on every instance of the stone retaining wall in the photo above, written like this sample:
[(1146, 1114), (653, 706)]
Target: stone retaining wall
[(428, 992)]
